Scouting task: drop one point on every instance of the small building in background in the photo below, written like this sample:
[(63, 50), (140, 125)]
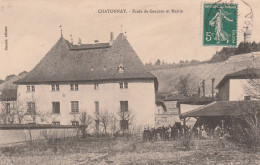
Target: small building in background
[(168, 111), (239, 85), (9, 107), (238, 92)]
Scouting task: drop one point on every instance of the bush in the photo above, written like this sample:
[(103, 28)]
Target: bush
[(187, 141)]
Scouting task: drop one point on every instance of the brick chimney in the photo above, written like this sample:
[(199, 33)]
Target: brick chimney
[(111, 38), (199, 90), (213, 87), (203, 87)]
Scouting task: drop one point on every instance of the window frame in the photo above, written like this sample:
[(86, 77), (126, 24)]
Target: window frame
[(71, 87), (31, 108), (8, 108), (124, 108), (54, 106), (57, 87), (76, 87), (52, 87), (124, 124), (97, 108), (33, 88), (123, 85), (96, 86), (73, 104), (28, 88), (247, 98), (55, 123), (74, 123)]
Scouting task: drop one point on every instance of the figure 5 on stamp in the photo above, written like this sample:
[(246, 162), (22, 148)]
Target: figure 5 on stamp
[(220, 24)]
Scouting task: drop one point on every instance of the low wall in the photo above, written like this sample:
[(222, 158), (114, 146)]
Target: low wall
[(14, 134)]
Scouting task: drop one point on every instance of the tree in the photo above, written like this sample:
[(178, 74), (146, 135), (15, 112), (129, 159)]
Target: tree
[(12, 111), (126, 117), (183, 85), (104, 118), (249, 122), (158, 62), (86, 121), (249, 117), (113, 123), (2, 81), (9, 77)]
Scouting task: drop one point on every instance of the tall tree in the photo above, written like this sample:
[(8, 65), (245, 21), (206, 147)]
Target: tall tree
[(183, 85)]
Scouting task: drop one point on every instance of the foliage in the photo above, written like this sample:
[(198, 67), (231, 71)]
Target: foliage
[(126, 115), (248, 123), (243, 47), (182, 86), (104, 118), (158, 62), (86, 122)]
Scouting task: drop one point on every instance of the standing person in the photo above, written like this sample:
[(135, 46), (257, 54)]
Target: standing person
[(200, 132), (144, 135), (169, 132), (162, 132), (217, 131)]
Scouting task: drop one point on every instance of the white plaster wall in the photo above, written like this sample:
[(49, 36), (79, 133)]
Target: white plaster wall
[(166, 120), (171, 106), (140, 97), (238, 89)]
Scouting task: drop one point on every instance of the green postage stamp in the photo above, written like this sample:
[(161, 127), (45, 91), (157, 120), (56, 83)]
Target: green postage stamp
[(220, 24)]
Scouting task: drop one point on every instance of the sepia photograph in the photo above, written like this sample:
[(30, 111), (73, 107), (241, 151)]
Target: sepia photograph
[(129, 82)]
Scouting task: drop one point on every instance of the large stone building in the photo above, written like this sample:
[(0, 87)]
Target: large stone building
[(91, 78)]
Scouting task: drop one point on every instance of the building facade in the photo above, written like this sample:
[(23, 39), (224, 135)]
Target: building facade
[(239, 86), (168, 112), (93, 78)]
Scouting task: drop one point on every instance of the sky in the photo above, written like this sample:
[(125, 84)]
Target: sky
[(34, 27)]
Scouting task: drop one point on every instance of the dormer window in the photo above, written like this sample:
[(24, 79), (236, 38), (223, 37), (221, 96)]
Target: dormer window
[(121, 68)]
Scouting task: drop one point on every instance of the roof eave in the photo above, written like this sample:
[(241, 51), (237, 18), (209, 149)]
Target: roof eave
[(73, 81)]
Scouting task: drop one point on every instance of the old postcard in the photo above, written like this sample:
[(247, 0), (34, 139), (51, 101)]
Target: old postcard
[(129, 82)]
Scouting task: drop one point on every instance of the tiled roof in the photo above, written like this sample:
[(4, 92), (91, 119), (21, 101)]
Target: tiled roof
[(10, 83), (8, 95), (8, 90), (242, 74), (175, 97), (196, 100), (69, 63), (220, 108)]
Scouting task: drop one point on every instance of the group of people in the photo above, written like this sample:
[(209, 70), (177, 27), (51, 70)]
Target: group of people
[(176, 131), (205, 132), (164, 133)]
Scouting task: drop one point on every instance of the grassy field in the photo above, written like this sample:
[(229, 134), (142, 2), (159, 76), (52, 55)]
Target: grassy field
[(125, 151)]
